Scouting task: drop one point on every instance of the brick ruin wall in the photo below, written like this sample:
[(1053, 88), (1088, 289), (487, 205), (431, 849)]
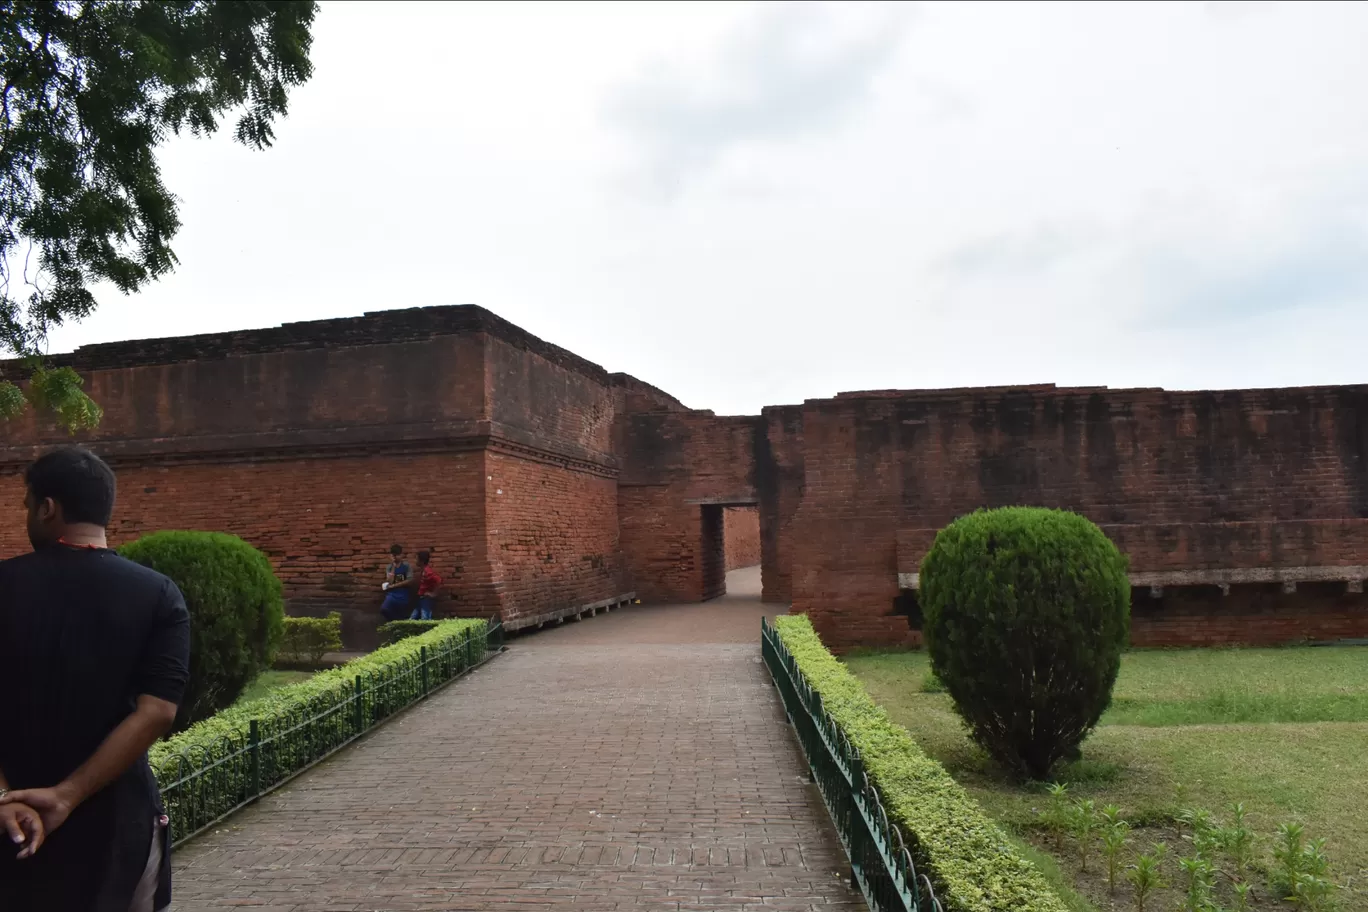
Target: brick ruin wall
[(741, 530), (324, 443), (544, 484), (680, 471), (1244, 513)]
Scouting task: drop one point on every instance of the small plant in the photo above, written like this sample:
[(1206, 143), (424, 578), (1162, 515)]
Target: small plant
[(1242, 896), (931, 684), (1237, 841), (1204, 834), (1082, 824), (1312, 892), (1200, 888), (1301, 869), (1114, 831), (1056, 814), (1111, 816), (1147, 875)]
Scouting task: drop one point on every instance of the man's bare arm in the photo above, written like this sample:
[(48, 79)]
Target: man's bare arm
[(130, 739)]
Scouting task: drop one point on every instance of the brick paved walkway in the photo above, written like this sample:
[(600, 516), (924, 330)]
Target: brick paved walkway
[(637, 760)]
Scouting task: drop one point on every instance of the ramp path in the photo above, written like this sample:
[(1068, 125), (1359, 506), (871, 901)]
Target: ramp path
[(636, 760)]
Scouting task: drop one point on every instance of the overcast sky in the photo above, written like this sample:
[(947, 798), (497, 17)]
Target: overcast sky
[(759, 204)]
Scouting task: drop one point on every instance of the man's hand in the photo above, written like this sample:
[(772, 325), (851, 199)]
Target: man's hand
[(53, 805), (23, 825)]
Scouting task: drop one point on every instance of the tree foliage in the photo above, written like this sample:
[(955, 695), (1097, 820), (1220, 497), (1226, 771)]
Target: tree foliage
[(1026, 612), (90, 89), (237, 612)]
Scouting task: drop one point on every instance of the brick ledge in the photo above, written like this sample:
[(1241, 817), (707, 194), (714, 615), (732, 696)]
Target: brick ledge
[(560, 614)]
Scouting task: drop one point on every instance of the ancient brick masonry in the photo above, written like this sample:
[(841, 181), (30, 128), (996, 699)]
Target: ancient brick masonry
[(742, 530), (323, 443), (548, 487), (1244, 514)]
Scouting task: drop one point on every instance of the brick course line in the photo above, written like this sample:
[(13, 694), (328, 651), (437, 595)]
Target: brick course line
[(638, 760)]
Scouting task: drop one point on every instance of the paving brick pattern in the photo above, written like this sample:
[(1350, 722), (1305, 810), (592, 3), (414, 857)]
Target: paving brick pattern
[(637, 760)]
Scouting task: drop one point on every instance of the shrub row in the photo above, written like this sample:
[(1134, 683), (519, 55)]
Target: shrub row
[(308, 639), (211, 768), (395, 631), (965, 854)]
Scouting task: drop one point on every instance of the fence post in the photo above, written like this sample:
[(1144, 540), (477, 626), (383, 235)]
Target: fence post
[(422, 659), (254, 741), (360, 711)]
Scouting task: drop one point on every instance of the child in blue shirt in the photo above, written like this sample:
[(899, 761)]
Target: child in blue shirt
[(397, 574)]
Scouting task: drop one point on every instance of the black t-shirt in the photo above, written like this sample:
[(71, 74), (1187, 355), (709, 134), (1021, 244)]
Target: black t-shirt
[(84, 633)]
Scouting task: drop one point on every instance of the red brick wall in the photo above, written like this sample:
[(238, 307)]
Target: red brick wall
[(1144, 463), (553, 536), (661, 541), (326, 524), (1248, 616), (742, 536), (712, 551), (779, 483), (359, 397), (323, 442), (1198, 547), (676, 464), (548, 405)]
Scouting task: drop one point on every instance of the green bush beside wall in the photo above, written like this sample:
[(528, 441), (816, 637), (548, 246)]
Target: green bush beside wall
[(308, 639)]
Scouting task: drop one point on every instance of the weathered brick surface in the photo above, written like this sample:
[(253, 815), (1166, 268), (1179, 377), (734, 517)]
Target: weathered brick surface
[(553, 536), (1181, 480), (547, 405), (639, 760), (779, 479), (326, 524), (678, 470), (742, 525), (321, 442), (367, 399), (1251, 615)]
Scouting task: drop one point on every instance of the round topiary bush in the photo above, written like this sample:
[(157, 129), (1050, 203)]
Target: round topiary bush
[(236, 612), (1026, 612)]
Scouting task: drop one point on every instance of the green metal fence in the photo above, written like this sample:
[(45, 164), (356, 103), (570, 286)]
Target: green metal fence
[(204, 785), (880, 864)]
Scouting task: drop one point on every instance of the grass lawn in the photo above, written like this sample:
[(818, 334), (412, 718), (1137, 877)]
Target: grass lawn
[(268, 681), (1285, 731)]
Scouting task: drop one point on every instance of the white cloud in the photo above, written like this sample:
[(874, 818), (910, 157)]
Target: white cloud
[(797, 69)]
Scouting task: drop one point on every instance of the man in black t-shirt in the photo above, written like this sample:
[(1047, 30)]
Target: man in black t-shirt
[(95, 653)]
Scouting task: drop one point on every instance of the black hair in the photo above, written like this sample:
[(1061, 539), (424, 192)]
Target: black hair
[(424, 556), (396, 550), (78, 480)]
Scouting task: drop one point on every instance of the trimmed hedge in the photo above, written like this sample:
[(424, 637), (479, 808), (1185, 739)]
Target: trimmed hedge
[(967, 856), (1026, 611), (308, 639), (236, 612), (395, 631), (206, 771)]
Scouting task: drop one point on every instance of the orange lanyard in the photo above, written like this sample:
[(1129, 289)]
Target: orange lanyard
[(65, 543)]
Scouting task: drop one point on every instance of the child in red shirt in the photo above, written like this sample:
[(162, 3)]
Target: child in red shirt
[(428, 584)]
